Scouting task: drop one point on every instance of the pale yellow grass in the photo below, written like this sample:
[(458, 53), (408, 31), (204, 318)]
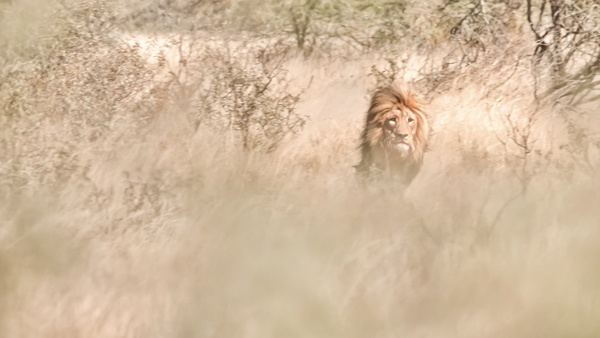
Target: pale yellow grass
[(171, 232), (252, 245)]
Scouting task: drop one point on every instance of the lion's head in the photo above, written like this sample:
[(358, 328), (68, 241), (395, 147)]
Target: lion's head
[(394, 138)]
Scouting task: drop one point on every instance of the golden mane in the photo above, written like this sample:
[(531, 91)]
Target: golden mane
[(376, 150)]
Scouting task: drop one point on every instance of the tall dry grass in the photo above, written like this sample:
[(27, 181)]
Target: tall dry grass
[(123, 217)]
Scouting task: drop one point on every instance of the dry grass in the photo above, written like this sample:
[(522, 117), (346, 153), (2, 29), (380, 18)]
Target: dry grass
[(120, 217)]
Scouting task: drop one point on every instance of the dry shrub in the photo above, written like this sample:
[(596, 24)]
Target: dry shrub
[(245, 93), (67, 97)]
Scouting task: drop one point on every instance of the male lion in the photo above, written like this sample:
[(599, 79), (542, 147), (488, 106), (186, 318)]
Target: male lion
[(394, 138)]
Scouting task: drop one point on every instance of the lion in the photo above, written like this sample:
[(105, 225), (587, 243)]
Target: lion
[(394, 138)]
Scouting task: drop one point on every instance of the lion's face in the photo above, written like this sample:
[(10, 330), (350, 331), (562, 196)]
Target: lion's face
[(399, 126)]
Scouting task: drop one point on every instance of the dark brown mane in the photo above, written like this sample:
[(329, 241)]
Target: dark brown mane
[(391, 95)]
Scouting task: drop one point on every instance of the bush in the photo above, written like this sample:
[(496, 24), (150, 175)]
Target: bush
[(245, 94)]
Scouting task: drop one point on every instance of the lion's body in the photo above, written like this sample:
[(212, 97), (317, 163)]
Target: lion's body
[(394, 138)]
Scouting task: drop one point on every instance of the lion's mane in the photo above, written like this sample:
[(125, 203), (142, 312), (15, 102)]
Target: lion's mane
[(376, 153)]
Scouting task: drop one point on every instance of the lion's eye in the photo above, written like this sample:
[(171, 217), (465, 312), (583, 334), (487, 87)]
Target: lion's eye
[(411, 120), (392, 121)]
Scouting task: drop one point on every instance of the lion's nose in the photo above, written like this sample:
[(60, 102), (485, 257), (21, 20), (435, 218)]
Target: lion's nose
[(401, 136)]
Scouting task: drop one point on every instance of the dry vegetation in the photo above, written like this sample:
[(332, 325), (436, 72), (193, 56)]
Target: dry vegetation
[(175, 168)]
